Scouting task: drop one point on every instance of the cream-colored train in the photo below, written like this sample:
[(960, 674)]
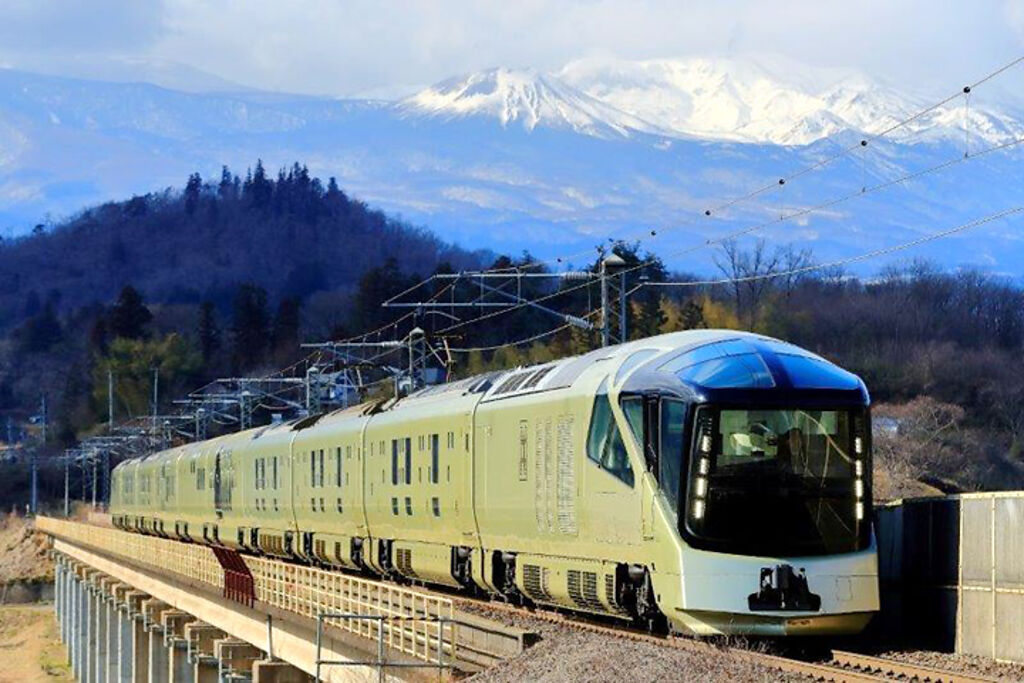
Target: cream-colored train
[(715, 479)]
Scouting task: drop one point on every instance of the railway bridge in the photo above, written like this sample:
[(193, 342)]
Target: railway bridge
[(135, 609)]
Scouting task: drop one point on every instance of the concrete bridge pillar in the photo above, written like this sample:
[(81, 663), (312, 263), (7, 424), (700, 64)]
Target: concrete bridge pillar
[(200, 638), (113, 590), (179, 668), (57, 606), (138, 671), (158, 665), (99, 670), (88, 658), (75, 627), (235, 658), (278, 672)]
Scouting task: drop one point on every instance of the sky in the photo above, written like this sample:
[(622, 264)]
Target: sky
[(391, 47)]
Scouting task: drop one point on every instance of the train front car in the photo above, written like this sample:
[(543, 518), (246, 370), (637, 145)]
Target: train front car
[(762, 454)]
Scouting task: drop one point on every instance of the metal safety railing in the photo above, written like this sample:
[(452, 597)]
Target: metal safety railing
[(307, 591), (385, 624)]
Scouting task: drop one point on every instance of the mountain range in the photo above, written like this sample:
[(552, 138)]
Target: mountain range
[(556, 162)]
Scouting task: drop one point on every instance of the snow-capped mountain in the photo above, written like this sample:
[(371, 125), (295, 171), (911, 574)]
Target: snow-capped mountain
[(763, 101), (773, 101), (552, 163), (527, 98)]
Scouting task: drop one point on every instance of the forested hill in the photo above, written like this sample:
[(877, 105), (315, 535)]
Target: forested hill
[(293, 235)]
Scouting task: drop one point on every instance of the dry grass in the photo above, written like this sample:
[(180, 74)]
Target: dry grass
[(30, 651), (23, 553)]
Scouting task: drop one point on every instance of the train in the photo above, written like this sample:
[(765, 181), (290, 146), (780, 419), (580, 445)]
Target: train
[(708, 482)]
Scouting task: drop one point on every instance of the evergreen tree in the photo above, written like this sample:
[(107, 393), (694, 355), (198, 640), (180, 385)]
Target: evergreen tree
[(129, 316), (40, 332), (259, 189), (226, 187), (375, 287), (250, 326), (98, 336), (209, 332), (192, 192), (286, 326), (692, 316)]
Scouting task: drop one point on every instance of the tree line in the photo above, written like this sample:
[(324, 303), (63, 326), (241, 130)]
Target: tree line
[(230, 277)]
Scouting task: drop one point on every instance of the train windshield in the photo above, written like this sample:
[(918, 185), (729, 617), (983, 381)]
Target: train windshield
[(779, 482)]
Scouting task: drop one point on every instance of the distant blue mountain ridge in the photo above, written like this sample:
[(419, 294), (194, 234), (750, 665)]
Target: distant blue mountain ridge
[(550, 164)]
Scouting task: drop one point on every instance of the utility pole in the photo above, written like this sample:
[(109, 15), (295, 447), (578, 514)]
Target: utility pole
[(110, 400), (156, 397), (67, 485), (34, 460), (200, 424), (610, 266), (313, 390)]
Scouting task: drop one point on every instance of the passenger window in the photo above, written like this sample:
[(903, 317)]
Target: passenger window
[(633, 407), (673, 422), (604, 442)]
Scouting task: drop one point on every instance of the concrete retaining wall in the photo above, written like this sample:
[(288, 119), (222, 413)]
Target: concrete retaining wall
[(26, 592), (952, 572)]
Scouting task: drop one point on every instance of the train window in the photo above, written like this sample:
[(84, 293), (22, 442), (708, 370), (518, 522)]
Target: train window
[(435, 504), (633, 408), (339, 506), (634, 360), (731, 363), (321, 467), (275, 471), (673, 420), (435, 456), (810, 372), (408, 460), (604, 442), (467, 443), (337, 467), (394, 462), (394, 506), (408, 505), (312, 468)]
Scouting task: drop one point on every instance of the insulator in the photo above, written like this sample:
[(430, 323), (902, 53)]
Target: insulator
[(578, 322), (575, 275)]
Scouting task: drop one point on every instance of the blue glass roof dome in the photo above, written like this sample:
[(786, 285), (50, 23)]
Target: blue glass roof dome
[(757, 363)]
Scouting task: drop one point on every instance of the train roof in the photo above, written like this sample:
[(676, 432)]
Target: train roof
[(634, 358)]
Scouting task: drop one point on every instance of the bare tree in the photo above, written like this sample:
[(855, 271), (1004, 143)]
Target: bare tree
[(751, 276)]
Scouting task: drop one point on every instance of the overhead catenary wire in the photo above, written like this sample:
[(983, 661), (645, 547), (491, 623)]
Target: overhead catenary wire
[(783, 178), (801, 212), (883, 251), (527, 340)]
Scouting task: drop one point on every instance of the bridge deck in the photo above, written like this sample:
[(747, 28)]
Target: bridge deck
[(416, 629)]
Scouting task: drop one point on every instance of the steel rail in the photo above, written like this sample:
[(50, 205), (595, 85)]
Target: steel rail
[(900, 670)]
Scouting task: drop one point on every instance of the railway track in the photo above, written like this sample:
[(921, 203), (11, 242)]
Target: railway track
[(841, 667)]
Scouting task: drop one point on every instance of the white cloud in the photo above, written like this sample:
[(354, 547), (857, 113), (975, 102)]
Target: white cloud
[(355, 46)]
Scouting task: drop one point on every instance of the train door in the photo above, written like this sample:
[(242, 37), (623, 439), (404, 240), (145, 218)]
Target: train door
[(222, 482), (612, 482)]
